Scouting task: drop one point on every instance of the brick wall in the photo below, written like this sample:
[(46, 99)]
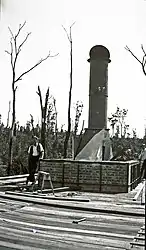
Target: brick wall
[(105, 176)]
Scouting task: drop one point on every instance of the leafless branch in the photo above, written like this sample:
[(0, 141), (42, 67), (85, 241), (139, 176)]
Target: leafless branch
[(70, 32), (19, 48), (72, 25), (143, 50), (20, 28), (11, 32), (68, 35), (34, 66), (127, 48), (12, 55), (7, 52), (143, 62)]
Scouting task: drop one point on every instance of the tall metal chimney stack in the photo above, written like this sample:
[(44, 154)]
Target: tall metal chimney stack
[(98, 95), (98, 87)]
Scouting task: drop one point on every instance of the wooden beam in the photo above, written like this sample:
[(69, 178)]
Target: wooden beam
[(14, 177), (63, 230), (47, 197), (10, 245), (60, 189), (71, 206), (139, 191), (51, 238), (136, 243), (18, 179), (139, 238), (141, 232)]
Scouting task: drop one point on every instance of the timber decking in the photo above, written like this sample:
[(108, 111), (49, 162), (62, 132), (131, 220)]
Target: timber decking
[(109, 222), (40, 227), (29, 226)]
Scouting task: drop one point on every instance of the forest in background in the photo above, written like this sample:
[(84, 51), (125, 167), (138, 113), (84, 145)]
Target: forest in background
[(15, 139)]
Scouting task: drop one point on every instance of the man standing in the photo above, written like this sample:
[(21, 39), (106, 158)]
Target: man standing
[(35, 152), (143, 162)]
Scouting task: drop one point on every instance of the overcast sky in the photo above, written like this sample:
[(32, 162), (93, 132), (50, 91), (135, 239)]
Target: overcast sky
[(112, 23)]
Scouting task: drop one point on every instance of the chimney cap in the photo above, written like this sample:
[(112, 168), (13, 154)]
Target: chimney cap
[(99, 51)]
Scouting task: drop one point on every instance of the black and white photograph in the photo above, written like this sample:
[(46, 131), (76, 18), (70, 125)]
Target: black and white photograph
[(72, 124)]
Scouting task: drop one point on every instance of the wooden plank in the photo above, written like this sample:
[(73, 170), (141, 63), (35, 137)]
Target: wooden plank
[(139, 191), (67, 230), (14, 179), (60, 189), (68, 239), (139, 238), (15, 176), (47, 197), (65, 221), (141, 232), (18, 180), (136, 243), (77, 206), (46, 237), (4, 188), (8, 245), (30, 240), (115, 219)]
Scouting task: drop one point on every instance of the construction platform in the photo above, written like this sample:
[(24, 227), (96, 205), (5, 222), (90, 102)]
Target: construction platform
[(39, 219)]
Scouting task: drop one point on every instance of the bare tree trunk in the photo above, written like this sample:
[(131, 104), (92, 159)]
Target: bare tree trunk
[(32, 123), (80, 140), (113, 130), (14, 54), (67, 136), (121, 130), (43, 131), (8, 118), (43, 118), (10, 155), (56, 125)]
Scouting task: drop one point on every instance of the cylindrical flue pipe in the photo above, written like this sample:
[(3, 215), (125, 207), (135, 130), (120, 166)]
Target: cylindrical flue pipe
[(98, 87)]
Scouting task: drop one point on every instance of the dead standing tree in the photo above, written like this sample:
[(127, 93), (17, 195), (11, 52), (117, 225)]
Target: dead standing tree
[(9, 114), (32, 123), (67, 136), (43, 116), (56, 125), (143, 61), (15, 49)]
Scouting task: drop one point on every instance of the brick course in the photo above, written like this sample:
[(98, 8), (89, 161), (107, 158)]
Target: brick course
[(105, 176)]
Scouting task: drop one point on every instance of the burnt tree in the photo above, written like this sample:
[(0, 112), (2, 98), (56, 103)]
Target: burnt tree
[(44, 109), (15, 49), (67, 135), (143, 61)]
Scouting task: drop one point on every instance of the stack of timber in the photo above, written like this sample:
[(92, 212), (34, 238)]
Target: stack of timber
[(18, 182), (70, 220), (33, 226), (139, 239)]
